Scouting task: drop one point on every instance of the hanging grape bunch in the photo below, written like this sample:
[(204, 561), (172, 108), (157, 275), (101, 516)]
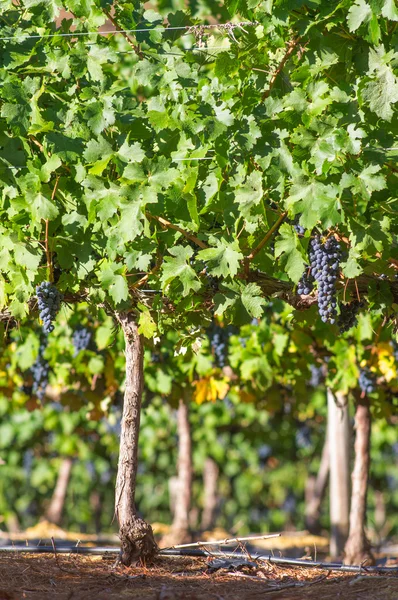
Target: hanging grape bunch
[(348, 316), (317, 376), (219, 339), (325, 265), (367, 381), (49, 301), (40, 370), (81, 339)]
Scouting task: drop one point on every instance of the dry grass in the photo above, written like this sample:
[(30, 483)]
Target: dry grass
[(75, 577)]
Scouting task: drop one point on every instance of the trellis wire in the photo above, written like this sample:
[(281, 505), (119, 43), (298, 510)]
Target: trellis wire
[(190, 29)]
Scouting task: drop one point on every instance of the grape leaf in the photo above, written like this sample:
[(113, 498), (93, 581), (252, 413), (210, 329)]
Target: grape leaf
[(177, 267)]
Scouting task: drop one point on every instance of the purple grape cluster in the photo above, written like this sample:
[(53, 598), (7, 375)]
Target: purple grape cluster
[(40, 370), (303, 436), (317, 376), (306, 283), (325, 265), (81, 339), (219, 338), (299, 229), (219, 346), (49, 301), (348, 316), (367, 381)]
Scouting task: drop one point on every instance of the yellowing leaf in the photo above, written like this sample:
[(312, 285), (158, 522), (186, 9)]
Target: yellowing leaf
[(386, 361), (209, 389)]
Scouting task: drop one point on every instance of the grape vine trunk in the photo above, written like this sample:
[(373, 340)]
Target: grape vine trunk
[(136, 536)]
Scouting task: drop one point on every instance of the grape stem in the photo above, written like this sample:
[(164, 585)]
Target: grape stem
[(290, 49), (185, 233), (267, 236), (135, 47), (48, 254), (46, 241)]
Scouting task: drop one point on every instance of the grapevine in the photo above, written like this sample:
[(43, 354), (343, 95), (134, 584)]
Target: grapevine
[(325, 262), (49, 301)]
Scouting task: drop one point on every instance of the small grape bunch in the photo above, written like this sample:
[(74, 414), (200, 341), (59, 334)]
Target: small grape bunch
[(348, 317), (299, 229), (306, 283), (49, 301), (367, 381), (81, 339)]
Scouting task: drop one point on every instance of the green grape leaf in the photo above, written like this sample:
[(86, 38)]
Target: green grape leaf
[(287, 247), (224, 259), (177, 267), (253, 300)]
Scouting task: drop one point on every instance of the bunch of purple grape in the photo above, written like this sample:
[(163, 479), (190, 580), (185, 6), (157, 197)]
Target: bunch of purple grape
[(367, 381), (325, 266), (306, 283), (317, 375), (81, 339), (348, 316), (49, 301), (40, 371)]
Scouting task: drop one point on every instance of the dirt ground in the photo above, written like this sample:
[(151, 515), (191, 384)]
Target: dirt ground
[(65, 577)]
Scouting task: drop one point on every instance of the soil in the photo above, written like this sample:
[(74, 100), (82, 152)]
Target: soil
[(66, 577)]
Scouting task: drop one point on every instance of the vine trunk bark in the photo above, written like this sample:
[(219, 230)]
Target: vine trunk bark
[(179, 531), (55, 510), (210, 497), (357, 549), (136, 536), (315, 492), (339, 480)]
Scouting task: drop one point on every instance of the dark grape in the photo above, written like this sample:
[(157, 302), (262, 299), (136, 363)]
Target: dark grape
[(49, 301), (26, 389), (325, 264), (348, 316), (219, 337), (81, 339), (395, 350), (264, 452), (306, 283), (40, 370), (219, 348), (289, 505), (317, 376), (303, 436), (299, 229), (155, 357), (367, 381)]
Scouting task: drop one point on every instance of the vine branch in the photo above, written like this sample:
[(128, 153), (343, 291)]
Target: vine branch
[(267, 236), (136, 48), (185, 233), (290, 49)]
